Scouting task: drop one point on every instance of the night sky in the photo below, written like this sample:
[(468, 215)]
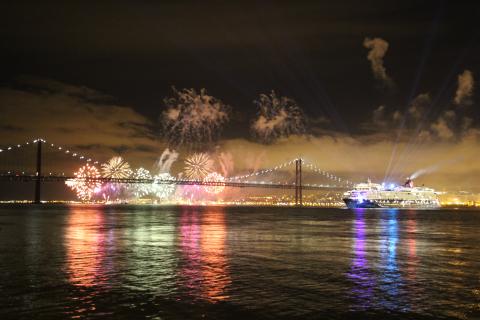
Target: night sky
[(94, 76)]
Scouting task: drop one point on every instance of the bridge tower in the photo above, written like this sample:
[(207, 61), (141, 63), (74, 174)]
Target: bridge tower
[(298, 182), (38, 181)]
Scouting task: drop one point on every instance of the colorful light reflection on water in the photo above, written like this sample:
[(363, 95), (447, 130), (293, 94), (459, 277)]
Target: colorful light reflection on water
[(214, 261), (189, 274), (390, 278), (204, 271), (85, 247), (382, 282), (360, 273), (186, 262)]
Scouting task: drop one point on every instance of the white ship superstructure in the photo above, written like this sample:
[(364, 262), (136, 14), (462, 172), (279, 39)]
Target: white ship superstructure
[(374, 195)]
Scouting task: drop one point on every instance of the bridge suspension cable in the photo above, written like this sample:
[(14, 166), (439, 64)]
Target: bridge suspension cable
[(263, 171), (53, 146), (326, 174), (306, 163)]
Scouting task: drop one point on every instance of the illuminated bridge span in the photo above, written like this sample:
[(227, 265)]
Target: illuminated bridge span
[(55, 178), (242, 181)]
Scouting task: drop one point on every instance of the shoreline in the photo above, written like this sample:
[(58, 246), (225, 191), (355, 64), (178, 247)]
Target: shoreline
[(57, 204)]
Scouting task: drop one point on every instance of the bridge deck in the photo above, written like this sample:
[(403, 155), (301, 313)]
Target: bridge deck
[(34, 178)]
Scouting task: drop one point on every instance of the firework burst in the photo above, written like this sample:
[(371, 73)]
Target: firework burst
[(197, 166), (82, 185), (278, 117), (161, 189), (141, 189), (214, 177), (116, 168), (193, 119)]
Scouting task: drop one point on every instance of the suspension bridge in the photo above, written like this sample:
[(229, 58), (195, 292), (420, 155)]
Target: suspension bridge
[(11, 172)]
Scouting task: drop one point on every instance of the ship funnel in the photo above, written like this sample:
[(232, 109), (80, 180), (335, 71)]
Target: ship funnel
[(408, 183)]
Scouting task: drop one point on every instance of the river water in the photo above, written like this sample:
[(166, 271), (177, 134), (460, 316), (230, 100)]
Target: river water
[(191, 262)]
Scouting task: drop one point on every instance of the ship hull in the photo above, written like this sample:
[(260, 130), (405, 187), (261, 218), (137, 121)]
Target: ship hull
[(366, 203), (354, 204)]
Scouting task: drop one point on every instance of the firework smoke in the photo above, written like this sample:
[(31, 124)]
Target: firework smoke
[(419, 105), (464, 91), (378, 48), (225, 160), (253, 161), (193, 118), (278, 117), (378, 117), (443, 126), (412, 117), (166, 160), (197, 166), (116, 167)]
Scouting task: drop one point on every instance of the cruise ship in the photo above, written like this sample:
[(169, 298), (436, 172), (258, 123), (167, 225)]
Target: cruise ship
[(374, 195)]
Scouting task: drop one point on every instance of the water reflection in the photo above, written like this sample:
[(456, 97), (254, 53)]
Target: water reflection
[(155, 262), (412, 259), (85, 247), (35, 250), (190, 249), (390, 278), (204, 271), (149, 253), (379, 283), (214, 261), (360, 274)]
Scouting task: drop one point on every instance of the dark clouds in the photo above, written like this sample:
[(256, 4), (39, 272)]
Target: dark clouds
[(72, 116), (104, 129), (309, 50), (139, 27), (418, 121), (114, 63)]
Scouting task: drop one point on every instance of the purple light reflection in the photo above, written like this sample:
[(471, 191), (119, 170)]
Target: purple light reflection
[(190, 272), (390, 280), (204, 269), (364, 282)]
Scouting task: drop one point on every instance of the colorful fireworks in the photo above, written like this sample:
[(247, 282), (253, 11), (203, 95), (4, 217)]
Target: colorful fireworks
[(198, 166), (214, 177), (141, 189), (82, 185), (278, 117), (116, 168), (163, 189), (192, 118)]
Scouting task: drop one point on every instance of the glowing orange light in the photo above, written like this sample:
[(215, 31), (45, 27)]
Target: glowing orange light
[(84, 242), (214, 266)]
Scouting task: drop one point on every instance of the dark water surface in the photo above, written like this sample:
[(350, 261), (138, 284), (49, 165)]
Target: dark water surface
[(188, 262)]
